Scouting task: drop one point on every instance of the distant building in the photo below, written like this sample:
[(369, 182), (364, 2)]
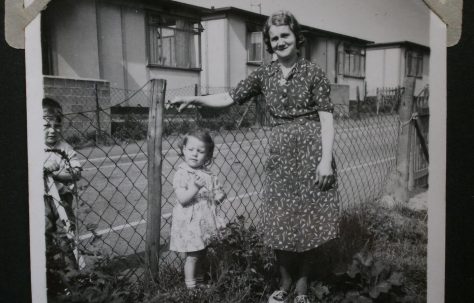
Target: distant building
[(127, 43), (389, 63)]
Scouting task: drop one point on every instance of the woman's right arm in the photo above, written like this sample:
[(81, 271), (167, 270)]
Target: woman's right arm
[(216, 100)]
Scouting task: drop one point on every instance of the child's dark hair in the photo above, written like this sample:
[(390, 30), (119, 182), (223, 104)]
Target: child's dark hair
[(203, 136), (282, 18), (52, 108)]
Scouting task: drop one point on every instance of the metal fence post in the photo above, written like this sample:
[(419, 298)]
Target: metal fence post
[(398, 185), (155, 132)]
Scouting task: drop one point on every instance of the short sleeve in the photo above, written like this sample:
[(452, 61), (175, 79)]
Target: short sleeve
[(248, 88), (181, 180), (321, 92), (73, 160)]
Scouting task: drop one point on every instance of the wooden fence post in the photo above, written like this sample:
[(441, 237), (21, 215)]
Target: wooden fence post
[(397, 188), (358, 102), (98, 132), (155, 131)]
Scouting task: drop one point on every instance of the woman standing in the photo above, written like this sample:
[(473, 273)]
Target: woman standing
[(301, 208)]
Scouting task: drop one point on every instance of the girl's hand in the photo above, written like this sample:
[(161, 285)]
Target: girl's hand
[(199, 182), (219, 196), (181, 101), (51, 166), (325, 175)]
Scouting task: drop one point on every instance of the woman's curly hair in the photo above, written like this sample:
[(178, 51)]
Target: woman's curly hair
[(282, 18)]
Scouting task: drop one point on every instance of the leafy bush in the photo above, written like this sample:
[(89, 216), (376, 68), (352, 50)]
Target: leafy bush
[(132, 128), (367, 280), (370, 262), (98, 283), (241, 269)]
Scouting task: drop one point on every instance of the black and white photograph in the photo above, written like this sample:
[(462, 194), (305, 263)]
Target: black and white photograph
[(236, 151)]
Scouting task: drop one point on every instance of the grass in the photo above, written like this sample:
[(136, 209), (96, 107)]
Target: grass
[(389, 245), (380, 256)]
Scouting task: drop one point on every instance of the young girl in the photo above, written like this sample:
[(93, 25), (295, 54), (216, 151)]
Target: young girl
[(194, 215)]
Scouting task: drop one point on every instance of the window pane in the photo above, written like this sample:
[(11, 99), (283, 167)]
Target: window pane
[(408, 64), (174, 42), (362, 66), (356, 65), (347, 63), (419, 69), (255, 50)]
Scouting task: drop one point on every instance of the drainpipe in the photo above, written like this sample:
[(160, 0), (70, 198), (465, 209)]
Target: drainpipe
[(337, 62)]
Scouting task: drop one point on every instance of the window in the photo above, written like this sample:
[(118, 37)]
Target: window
[(414, 64), (174, 41), (256, 48), (352, 62)]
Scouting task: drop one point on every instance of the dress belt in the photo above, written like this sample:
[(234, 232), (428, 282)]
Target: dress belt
[(299, 119)]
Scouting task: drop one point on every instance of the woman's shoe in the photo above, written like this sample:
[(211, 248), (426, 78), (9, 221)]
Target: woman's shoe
[(278, 296), (302, 299)]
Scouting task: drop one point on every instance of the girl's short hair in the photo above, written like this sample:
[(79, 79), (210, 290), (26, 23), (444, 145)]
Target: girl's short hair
[(204, 137), (282, 18), (52, 109)]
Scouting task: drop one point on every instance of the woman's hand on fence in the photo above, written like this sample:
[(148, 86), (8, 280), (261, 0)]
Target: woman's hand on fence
[(181, 101), (325, 176)]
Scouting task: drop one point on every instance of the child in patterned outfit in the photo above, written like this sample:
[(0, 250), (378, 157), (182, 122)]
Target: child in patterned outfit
[(61, 171), (61, 162), (300, 210), (194, 215)]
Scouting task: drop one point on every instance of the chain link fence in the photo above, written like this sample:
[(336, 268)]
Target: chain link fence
[(109, 138)]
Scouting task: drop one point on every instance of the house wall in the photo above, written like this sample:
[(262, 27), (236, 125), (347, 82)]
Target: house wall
[(134, 49), (214, 55), (237, 51), (353, 83), (425, 80), (73, 32), (384, 68), (109, 43), (318, 52), (77, 96)]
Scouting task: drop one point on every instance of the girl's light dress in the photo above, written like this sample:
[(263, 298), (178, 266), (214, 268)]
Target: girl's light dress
[(195, 224)]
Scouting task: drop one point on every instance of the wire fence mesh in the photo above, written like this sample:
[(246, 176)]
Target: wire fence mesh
[(109, 138)]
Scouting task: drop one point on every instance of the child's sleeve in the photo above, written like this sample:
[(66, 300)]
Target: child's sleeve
[(181, 180), (72, 157)]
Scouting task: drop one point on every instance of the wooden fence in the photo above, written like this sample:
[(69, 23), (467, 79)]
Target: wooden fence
[(419, 156)]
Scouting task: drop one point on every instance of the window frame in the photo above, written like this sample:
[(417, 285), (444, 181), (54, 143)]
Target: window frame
[(256, 28), (352, 61), (414, 59), (158, 24)]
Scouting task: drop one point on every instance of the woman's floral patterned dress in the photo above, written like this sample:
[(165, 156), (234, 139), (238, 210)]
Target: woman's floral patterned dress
[(296, 215)]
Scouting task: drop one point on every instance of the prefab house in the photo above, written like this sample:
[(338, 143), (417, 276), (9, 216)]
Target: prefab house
[(127, 43), (233, 47), (123, 42), (389, 63)]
